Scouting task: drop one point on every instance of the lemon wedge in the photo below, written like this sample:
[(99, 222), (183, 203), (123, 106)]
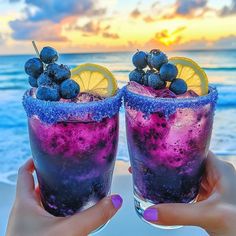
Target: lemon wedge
[(95, 79), (192, 73)]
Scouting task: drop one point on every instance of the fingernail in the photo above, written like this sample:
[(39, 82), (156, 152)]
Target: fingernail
[(150, 214), (116, 201)]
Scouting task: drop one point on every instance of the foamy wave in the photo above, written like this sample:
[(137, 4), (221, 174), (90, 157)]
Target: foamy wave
[(8, 177)]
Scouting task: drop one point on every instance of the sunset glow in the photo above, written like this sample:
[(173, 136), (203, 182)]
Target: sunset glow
[(118, 25)]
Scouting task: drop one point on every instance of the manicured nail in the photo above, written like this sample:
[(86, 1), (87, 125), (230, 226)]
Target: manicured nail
[(116, 201), (150, 214)]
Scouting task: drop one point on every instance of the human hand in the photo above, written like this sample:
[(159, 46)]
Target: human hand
[(215, 209), (28, 217)]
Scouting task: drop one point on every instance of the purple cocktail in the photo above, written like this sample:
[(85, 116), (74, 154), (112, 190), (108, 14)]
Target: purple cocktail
[(168, 139), (74, 147)]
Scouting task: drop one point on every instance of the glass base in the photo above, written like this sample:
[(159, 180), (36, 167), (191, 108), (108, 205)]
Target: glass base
[(98, 230), (141, 206)]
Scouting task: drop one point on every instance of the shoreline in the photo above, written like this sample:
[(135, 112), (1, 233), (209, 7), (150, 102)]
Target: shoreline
[(126, 222)]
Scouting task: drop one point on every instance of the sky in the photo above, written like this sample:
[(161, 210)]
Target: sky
[(117, 25)]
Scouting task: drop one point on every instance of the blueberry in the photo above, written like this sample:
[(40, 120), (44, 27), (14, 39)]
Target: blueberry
[(168, 72), (34, 67), (137, 76), (58, 73), (155, 81), (62, 73), (178, 86), (145, 77), (156, 59), (33, 81), (48, 55), (69, 89), (140, 59), (44, 80), (48, 93), (51, 69)]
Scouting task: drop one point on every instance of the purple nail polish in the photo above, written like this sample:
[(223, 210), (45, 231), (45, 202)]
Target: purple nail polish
[(116, 201), (150, 214)]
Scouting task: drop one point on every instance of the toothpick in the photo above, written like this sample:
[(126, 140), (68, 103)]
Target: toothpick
[(35, 48), (37, 52)]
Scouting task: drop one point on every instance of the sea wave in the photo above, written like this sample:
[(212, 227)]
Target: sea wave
[(220, 68), (13, 73), (227, 96), (14, 141)]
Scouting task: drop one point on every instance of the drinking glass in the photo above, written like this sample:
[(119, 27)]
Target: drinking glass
[(168, 141)]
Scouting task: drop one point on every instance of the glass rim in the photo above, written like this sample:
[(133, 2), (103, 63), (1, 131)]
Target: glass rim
[(149, 105), (55, 111)]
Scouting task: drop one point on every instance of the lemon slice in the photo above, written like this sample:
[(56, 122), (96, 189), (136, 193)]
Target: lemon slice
[(95, 79), (192, 73)]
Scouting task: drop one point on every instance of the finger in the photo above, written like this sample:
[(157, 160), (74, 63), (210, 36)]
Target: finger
[(219, 167), (95, 216), (227, 186), (203, 194), (225, 178), (179, 214), (210, 180), (25, 180), (37, 195), (130, 170)]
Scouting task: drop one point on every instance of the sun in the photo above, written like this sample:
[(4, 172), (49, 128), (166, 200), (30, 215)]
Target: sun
[(167, 38)]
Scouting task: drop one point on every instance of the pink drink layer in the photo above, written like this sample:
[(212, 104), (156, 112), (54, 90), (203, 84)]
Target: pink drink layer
[(167, 153), (74, 160)]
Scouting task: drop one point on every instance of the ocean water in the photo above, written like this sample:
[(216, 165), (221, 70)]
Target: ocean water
[(14, 144)]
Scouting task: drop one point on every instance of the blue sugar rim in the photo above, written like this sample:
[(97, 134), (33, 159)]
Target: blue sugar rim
[(149, 105), (52, 112)]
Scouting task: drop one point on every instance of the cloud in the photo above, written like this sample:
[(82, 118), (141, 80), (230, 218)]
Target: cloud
[(1, 39), (44, 19), (188, 9), (11, 1), (185, 7), (56, 11), (225, 42), (148, 19), (229, 10), (90, 28), (94, 28), (41, 31), (110, 35), (135, 13), (167, 40), (179, 30), (180, 8), (155, 4)]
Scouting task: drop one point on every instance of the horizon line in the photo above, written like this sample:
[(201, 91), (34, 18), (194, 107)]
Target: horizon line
[(110, 52)]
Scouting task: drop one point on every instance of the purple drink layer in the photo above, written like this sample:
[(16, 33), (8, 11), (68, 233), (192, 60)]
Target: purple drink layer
[(74, 145), (167, 149), (74, 162)]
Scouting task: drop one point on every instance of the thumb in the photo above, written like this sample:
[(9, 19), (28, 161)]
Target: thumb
[(85, 222), (198, 214)]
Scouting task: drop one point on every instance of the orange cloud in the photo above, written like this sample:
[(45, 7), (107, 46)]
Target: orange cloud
[(110, 35), (148, 19), (93, 28), (41, 31), (135, 13)]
